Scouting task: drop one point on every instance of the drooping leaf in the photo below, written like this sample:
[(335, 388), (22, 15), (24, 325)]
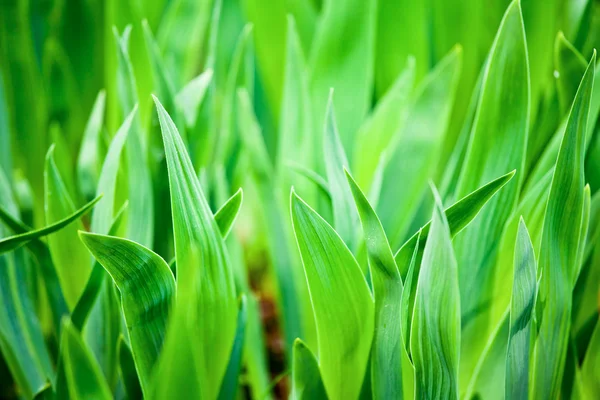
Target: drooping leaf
[(521, 313), (94, 284), (435, 333), (147, 289), (386, 351), (205, 290), (559, 248), (503, 108), (459, 215), (16, 241), (83, 377), (342, 303), (70, 259), (306, 377), (413, 160)]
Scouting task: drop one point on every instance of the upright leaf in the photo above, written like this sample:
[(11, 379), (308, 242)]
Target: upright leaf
[(521, 313), (342, 302), (205, 287), (147, 289), (386, 352), (559, 248), (570, 66), (435, 335), (503, 108), (88, 161)]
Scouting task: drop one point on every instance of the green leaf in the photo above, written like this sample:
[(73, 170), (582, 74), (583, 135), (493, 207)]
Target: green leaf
[(381, 128), (570, 66), (82, 374), (504, 109), (521, 313), (141, 215), (435, 336), (342, 57), (95, 282), (306, 377), (459, 215), (414, 158), (103, 214), (127, 371), (342, 303), (226, 215), (590, 369), (147, 290), (297, 139), (205, 289), (69, 257), (386, 351), (16, 241), (229, 386), (559, 248), (189, 98), (88, 160), (345, 217), (21, 339)]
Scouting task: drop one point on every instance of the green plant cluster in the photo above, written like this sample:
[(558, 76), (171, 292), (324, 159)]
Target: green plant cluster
[(412, 187)]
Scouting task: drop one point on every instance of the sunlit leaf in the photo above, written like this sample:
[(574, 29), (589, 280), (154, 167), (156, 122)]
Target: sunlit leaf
[(306, 378), (341, 300)]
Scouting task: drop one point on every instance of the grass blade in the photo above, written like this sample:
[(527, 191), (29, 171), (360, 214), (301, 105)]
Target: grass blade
[(127, 371), (229, 386), (88, 160), (227, 214)]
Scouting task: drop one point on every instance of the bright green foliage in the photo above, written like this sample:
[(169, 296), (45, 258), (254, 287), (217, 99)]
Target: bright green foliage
[(435, 336), (129, 267), (386, 353), (559, 247), (341, 300), (205, 281)]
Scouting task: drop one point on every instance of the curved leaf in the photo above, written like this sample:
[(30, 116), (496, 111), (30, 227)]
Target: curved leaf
[(147, 289), (342, 303), (16, 241)]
